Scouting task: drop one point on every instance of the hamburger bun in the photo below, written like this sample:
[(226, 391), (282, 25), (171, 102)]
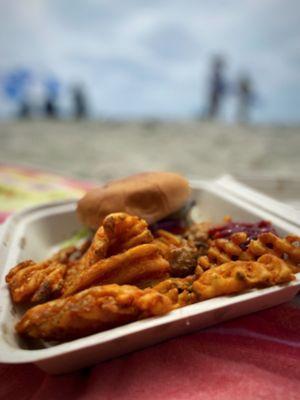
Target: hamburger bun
[(150, 195)]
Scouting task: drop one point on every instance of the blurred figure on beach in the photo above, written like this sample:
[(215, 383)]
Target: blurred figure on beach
[(216, 90), (24, 110), (245, 98), (79, 102), (50, 107)]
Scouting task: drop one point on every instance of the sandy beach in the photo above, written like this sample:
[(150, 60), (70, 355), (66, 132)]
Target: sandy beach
[(99, 151)]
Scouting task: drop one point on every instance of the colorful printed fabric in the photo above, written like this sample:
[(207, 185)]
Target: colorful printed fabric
[(23, 187)]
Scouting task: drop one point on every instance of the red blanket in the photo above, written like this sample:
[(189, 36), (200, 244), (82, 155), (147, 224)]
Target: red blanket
[(253, 357)]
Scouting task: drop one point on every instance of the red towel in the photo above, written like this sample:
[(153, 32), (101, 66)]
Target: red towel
[(253, 357)]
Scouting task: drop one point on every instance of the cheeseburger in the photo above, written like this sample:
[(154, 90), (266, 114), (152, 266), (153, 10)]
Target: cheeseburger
[(163, 199)]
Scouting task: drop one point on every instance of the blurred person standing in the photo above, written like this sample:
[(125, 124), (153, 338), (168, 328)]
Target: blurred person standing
[(216, 87), (24, 110), (50, 107), (245, 97), (79, 102)]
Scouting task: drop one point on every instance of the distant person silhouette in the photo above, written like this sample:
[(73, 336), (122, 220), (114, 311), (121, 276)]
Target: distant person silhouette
[(216, 87), (245, 97), (24, 111), (79, 102), (50, 108), (52, 87)]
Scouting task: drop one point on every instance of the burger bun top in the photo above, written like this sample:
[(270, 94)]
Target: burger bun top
[(150, 195)]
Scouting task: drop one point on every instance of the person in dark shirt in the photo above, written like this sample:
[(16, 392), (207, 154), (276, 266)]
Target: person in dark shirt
[(24, 110), (50, 108), (245, 98), (79, 102), (216, 87)]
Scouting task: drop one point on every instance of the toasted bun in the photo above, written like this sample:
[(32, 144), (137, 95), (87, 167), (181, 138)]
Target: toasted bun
[(150, 195)]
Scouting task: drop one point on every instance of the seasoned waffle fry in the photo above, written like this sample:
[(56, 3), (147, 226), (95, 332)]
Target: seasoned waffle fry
[(236, 276), (90, 311), (167, 241), (139, 263), (38, 282), (268, 243), (119, 232), (279, 269), (125, 231), (179, 290), (225, 250)]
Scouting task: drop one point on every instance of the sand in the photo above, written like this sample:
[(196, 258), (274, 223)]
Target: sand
[(105, 150)]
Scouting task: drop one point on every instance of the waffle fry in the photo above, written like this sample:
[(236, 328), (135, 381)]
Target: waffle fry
[(268, 243), (119, 232), (124, 232), (179, 290), (226, 250), (166, 241), (38, 282), (237, 276), (90, 311), (139, 263)]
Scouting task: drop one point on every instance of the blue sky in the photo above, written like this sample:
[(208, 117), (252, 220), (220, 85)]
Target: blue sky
[(138, 58)]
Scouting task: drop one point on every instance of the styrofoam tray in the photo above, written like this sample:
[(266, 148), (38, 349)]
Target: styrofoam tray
[(285, 189), (259, 199), (36, 232)]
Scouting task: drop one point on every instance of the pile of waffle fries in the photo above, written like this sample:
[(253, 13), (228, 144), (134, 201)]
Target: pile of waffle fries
[(127, 273)]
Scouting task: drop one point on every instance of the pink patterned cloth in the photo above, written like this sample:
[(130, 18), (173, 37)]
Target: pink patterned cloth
[(253, 357), (24, 187), (3, 216)]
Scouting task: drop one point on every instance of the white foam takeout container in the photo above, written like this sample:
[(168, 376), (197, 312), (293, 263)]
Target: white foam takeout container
[(36, 232)]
